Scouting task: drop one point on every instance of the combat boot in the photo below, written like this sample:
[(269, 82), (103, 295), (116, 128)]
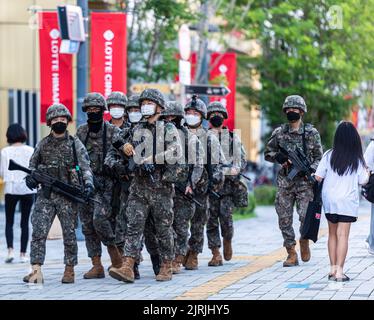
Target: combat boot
[(216, 259), (68, 274), (186, 258), (291, 260), (115, 256), (136, 271), (227, 249), (304, 250), (166, 272), (156, 263), (97, 270), (126, 272), (176, 265), (192, 261), (35, 276)]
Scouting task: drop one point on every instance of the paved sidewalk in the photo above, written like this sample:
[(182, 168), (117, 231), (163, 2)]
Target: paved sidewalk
[(255, 272)]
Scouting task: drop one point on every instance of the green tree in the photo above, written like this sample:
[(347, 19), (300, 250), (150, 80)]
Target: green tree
[(305, 51)]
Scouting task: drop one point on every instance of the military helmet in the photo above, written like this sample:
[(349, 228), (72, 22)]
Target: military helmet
[(173, 108), (196, 104), (133, 102), (94, 99), (153, 95), (217, 106), (296, 102), (116, 97), (57, 110)]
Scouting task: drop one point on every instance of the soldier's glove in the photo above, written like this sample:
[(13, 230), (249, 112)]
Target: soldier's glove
[(31, 183), (88, 192), (281, 158)]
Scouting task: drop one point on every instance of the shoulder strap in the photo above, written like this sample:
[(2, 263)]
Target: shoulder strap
[(76, 163), (304, 141), (104, 142)]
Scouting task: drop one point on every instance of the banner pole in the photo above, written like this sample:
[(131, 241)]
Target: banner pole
[(82, 66)]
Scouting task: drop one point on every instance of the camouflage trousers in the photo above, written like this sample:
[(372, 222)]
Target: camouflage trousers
[(220, 215), (198, 222), (183, 212), (149, 238), (285, 200), (43, 215), (144, 200)]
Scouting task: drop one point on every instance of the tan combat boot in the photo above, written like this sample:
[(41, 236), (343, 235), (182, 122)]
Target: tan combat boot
[(186, 258), (166, 272), (304, 250), (97, 270), (125, 272), (227, 249), (176, 266), (115, 256), (35, 276), (192, 262), (68, 276), (216, 259), (291, 260)]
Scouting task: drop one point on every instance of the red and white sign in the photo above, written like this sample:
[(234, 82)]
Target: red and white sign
[(108, 52), (56, 77), (222, 72)]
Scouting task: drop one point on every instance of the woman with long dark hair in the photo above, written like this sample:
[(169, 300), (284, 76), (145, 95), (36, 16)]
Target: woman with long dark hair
[(16, 190), (342, 170)]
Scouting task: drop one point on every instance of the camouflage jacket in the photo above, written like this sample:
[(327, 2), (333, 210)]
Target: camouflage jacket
[(290, 140), (55, 156), (94, 143)]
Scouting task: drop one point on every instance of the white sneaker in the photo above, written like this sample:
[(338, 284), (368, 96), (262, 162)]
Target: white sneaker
[(10, 257), (371, 251), (24, 259)]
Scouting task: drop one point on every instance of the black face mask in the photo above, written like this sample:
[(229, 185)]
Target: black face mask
[(59, 127), (95, 117), (293, 116), (216, 121)]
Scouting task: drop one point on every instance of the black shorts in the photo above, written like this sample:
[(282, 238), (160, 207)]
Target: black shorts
[(335, 218)]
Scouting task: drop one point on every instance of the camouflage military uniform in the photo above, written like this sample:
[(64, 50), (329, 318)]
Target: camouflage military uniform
[(55, 157), (299, 190), (99, 223), (220, 213), (151, 198)]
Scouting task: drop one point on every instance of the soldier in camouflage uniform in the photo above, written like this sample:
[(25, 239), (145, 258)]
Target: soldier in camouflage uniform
[(117, 162), (211, 178), (220, 213), (98, 220), (116, 103), (290, 136), (192, 167), (151, 190), (60, 156)]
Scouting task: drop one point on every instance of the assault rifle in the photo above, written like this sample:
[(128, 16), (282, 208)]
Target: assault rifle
[(50, 184), (187, 196)]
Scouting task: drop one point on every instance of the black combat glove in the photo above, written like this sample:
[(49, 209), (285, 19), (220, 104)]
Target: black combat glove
[(281, 158), (31, 183), (88, 192)]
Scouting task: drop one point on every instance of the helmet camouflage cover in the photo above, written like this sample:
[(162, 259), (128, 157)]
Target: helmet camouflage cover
[(57, 110), (196, 104), (217, 106), (153, 95), (116, 97), (133, 102), (94, 99), (295, 101), (173, 108)]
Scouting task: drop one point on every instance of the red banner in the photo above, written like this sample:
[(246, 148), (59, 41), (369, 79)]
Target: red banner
[(222, 72), (56, 78), (108, 52)]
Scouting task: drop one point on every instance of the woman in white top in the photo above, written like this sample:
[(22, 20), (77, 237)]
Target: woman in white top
[(342, 170), (369, 158), (15, 188)]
